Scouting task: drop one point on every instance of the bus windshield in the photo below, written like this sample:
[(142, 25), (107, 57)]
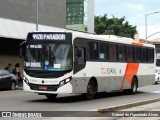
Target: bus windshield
[(48, 57)]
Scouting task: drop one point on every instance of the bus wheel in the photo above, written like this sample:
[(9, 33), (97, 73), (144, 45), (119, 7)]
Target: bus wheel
[(156, 82), (134, 86), (51, 96), (91, 88)]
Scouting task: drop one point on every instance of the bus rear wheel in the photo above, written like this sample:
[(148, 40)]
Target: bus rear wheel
[(156, 82), (134, 86), (51, 96)]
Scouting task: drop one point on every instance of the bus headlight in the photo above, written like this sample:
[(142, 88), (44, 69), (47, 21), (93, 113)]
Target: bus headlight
[(26, 80), (63, 82)]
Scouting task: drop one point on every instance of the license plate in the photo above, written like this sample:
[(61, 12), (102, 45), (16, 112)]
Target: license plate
[(43, 87)]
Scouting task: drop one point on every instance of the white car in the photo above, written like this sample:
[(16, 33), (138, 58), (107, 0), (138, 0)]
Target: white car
[(157, 74)]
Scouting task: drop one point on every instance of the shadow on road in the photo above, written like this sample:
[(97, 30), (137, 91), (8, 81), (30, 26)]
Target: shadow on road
[(79, 98)]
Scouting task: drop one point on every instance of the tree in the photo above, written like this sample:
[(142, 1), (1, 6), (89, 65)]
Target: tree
[(114, 26)]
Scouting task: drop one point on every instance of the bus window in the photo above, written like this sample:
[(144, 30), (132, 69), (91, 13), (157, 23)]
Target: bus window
[(112, 52), (151, 55), (144, 54), (129, 51), (137, 54), (93, 50), (103, 51), (79, 58), (121, 53), (80, 55)]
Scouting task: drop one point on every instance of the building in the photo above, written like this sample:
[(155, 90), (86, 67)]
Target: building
[(18, 17), (51, 12), (80, 15), (153, 40), (156, 42)]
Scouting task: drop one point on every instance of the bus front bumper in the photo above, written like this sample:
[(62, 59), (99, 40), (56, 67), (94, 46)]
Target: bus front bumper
[(48, 89)]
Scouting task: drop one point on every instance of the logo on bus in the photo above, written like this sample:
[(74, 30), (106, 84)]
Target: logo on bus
[(108, 71)]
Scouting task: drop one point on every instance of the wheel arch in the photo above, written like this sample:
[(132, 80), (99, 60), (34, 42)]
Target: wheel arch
[(94, 80)]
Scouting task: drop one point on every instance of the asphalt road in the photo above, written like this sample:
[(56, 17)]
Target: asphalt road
[(19, 100)]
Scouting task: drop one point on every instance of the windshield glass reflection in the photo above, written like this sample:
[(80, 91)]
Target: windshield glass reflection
[(51, 57)]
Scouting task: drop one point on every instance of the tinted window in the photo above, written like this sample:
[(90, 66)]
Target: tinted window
[(93, 50), (144, 54), (103, 51), (151, 55), (80, 55), (121, 53), (112, 52), (129, 51), (137, 54)]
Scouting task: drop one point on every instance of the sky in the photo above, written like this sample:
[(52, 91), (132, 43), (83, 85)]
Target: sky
[(134, 12)]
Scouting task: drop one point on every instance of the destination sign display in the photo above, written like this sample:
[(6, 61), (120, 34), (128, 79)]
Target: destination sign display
[(46, 36), (49, 37)]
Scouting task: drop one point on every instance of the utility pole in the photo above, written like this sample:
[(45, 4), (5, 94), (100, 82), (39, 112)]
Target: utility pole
[(146, 22), (37, 15)]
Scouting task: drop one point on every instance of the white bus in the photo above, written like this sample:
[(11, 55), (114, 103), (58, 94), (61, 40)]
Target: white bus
[(79, 63)]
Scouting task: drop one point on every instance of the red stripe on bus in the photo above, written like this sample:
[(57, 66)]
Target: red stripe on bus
[(131, 70)]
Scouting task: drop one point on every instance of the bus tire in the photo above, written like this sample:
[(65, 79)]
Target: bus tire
[(156, 82), (134, 86), (51, 96), (91, 89)]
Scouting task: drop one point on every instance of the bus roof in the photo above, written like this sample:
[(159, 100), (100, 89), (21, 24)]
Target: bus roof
[(109, 38), (112, 38)]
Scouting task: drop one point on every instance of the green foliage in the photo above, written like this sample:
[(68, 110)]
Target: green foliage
[(114, 26)]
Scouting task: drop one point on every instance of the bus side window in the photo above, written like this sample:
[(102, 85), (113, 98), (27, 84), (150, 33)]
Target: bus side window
[(121, 53), (80, 55), (129, 53), (103, 52), (150, 55)]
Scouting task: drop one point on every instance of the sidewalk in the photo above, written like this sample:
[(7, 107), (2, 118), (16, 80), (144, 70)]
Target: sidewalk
[(152, 109), (148, 109)]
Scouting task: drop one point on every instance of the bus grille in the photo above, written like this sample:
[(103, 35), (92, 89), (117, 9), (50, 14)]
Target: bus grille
[(49, 87)]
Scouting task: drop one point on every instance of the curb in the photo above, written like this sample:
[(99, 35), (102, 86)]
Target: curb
[(125, 106)]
